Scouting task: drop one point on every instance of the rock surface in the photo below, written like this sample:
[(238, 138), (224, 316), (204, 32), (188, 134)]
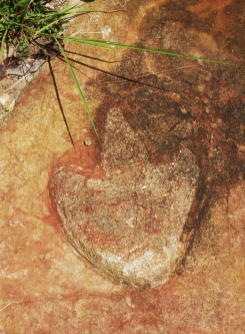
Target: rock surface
[(129, 221), (45, 286)]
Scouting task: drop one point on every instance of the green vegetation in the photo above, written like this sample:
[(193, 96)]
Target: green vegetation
[(20, 22), (28, 24)]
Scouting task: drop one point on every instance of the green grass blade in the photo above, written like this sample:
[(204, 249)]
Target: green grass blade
[(99, 46), (21, 8), (77, 85), (62, 17), (23, 3), (2, 43), (84, 42), (115, 44), (72, 10), (62, 13), (80, 11), (46, 27)]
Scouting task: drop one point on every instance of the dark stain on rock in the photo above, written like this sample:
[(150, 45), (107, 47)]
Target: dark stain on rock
[(183, 106)]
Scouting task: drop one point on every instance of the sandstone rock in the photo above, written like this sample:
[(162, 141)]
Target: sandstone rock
[(129, 221)]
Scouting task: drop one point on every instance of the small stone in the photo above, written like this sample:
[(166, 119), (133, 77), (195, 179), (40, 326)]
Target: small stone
[(88, 142), (4, 98)]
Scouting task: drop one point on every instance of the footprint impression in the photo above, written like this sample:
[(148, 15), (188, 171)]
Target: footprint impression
[(129, 223)]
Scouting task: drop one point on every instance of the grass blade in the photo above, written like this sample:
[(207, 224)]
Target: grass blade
[(115, 44), (2, 43), (62, 17), (46, 27), (77, 85)]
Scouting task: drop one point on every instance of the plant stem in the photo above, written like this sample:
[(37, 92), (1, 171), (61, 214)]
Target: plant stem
[(78, 86)]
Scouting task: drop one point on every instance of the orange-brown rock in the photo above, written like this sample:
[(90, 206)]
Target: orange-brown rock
[(45, 286), (130, 220)]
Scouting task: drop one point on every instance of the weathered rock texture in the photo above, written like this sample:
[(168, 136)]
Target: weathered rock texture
[(168, 105), (45, 286), (129, 221)]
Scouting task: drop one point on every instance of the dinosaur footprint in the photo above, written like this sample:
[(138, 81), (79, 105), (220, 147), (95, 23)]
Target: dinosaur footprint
[(129, 222)]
